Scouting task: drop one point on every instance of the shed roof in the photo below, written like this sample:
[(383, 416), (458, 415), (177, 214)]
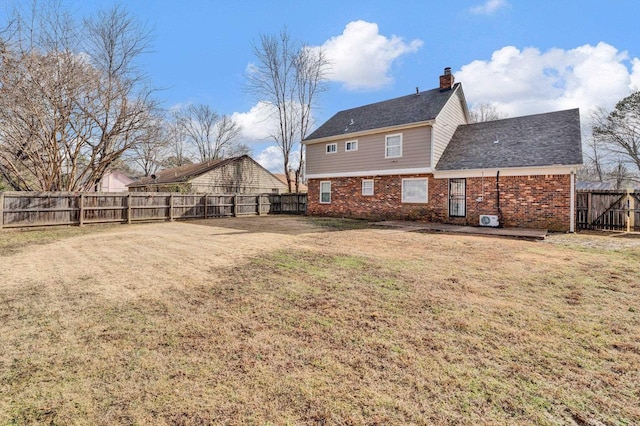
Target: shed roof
[(183, 173), (415, 108), (535, 140)]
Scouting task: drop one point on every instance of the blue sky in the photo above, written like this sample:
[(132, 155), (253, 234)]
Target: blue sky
[(522, 56)]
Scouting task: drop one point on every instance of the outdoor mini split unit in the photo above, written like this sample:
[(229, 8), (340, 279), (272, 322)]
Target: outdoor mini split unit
[(489, 220)]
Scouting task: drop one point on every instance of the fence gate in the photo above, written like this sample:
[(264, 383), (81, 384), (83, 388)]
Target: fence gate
[(608, 210)]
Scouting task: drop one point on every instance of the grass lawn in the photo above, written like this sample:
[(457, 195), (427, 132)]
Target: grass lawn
[(294, 320)]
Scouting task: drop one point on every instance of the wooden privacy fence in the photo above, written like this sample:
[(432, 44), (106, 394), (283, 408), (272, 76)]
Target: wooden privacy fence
[(27, 209), (608, 210)]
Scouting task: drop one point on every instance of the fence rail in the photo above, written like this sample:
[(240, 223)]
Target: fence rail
[(29, 209)]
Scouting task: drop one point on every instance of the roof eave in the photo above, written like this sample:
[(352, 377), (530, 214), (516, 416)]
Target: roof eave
[(553, 169)]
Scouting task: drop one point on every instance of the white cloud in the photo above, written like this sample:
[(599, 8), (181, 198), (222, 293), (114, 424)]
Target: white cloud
[(271, 159), (489, 7), (635, 75), (257, 124), (361, 57), (528, 81)]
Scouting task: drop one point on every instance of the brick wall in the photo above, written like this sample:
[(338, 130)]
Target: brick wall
[(525, 201)]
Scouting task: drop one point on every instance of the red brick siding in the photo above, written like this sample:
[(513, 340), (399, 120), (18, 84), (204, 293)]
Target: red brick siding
[(525, 201), (386, 203)]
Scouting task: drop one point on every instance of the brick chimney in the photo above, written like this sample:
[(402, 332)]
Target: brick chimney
[(446, 80)]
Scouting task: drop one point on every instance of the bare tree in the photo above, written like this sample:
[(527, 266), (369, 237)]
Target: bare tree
[(71, 98), (594, 167), (287, 77), (209, 133), (151, 148), (177, 152), (311, 67), (237, 150), (619, 130), (486, 112)]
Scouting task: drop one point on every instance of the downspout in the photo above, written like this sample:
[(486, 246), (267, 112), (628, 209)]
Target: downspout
[(572, 208), (498, 198)]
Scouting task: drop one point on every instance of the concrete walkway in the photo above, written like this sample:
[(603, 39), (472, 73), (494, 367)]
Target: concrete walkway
[(534, 234)]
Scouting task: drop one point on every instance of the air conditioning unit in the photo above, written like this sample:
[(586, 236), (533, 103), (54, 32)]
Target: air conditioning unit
[(489, 220)]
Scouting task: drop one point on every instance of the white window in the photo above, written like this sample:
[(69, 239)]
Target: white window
[(393, 146), (325, 192), (367, 186), (351, 146), (414, 190), (332, 148)]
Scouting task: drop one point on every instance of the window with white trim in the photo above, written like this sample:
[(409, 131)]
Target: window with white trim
[(325, 192), (367, 186), (351, 146), (332, 148), (393, 146), (414, 190)]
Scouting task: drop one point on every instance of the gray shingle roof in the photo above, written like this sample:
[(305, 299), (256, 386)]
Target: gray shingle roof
[(534, 140), (393, 112)]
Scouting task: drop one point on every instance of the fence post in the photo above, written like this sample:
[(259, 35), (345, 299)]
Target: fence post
[(630, 209), (1, 209), (235, 204), (171, 208), (205, 205), (129, 209), (259, 204), (81, 215)]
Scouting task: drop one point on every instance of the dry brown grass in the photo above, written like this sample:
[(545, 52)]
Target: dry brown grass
[(276, 321)]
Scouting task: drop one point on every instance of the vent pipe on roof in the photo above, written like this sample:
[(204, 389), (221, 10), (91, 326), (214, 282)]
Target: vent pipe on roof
[(446, 80)]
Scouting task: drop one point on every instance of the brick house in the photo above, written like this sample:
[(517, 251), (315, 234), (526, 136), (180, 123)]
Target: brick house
[(417, 157)]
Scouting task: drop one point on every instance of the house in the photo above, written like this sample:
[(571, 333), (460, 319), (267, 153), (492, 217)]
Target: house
[(418, 157), (113, 181), (302, 188), (240, 175)]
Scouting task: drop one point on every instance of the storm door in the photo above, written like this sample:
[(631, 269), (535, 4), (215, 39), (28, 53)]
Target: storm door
[(457, 197)]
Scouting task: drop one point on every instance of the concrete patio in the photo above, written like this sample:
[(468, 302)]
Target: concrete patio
[(534, 234)]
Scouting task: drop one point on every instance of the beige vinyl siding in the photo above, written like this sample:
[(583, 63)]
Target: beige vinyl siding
[(449, 118), (246, 177), (370, 155)]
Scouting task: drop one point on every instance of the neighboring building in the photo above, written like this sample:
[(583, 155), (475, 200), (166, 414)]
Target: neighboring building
[(302, 188), (605, 186), (417, 157), (113, 181), (240, 175), (594, 186)]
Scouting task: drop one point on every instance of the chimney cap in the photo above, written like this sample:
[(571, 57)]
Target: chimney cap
[(447, 71)]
